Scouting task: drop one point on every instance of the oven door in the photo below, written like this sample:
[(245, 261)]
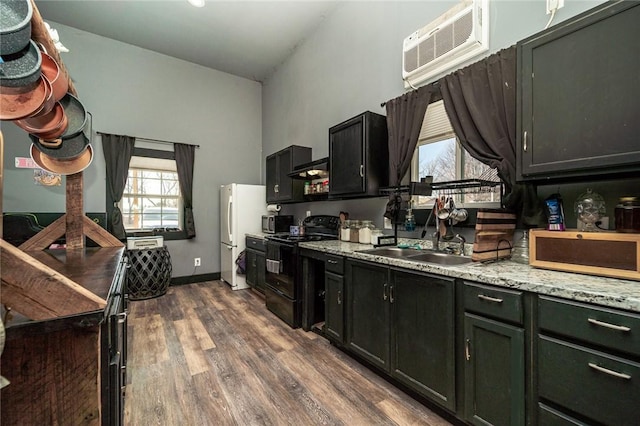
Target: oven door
[(282, 260)]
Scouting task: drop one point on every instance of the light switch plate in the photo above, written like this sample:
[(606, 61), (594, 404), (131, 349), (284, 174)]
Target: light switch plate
[(554, 5)]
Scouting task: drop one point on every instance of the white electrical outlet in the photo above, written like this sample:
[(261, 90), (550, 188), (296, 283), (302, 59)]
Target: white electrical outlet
[(387, 223), (554, 5), (196, 261), (308, 213)]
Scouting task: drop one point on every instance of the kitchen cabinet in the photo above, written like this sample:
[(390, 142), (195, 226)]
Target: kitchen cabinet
[(359, 156), (588, 363), (367, 295), (575, 117), (334, 299), (280, 187), (70, 369), (404, 323), (494, 354), (423, 334), (256, 264)]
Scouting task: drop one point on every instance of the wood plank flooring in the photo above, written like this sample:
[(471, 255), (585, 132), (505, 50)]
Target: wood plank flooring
[(205, 355)]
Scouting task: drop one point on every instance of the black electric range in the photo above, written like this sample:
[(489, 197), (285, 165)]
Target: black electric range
[(283, 292)]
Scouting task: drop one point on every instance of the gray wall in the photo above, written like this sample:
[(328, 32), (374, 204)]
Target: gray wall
[(141, 93), (353, 62)]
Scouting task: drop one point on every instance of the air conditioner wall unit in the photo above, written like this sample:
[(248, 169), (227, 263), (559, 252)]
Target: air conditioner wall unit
[(453, 38)]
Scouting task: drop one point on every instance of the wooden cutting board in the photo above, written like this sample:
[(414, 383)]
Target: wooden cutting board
[(494, 234)]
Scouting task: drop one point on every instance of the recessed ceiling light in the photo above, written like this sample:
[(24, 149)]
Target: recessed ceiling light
[(196, 3)]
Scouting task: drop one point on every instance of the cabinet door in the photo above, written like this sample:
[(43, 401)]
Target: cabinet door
[(494, 374), (261, 270), (272, 178), (367, 294), (251, 267), (572, 121), (346, 157), (334, 307), (423, 334), (285, 183)]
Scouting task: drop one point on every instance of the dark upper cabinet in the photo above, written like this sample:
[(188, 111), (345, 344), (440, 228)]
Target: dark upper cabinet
[(358, 156), (280, 187), (579, 96)]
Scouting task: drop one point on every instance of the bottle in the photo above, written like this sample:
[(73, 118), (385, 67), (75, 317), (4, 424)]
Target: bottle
[(307, 187), (364, 235), (345, 233), (409, 222)]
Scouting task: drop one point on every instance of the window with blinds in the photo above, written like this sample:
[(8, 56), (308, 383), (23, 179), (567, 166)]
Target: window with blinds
[(440, 155)]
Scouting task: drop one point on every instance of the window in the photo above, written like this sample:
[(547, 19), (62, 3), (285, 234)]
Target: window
[(152, 198), (439, 154)]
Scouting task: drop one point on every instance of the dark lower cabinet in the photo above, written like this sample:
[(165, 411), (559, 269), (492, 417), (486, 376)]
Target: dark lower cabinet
[(368, 311), (404, 323), (256, 264), (423, 334), (588, 363), (334, 307), (494, 372)]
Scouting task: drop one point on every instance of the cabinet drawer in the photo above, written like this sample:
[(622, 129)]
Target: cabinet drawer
[(600, 386), (256, 244), (550, 417), (598, 325), (335, 264), (494, 302)]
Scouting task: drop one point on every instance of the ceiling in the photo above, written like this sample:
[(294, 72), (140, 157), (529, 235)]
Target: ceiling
[(245, 38)]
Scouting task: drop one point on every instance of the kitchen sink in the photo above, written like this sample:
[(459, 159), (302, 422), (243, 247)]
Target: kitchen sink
[(440, 258), (395, 252), (418, 255)]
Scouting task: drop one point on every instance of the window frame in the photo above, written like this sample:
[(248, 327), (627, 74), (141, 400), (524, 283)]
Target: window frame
[(439, 131), (174, 235)]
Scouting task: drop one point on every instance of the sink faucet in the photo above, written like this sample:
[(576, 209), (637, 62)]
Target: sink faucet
[(462, 241), (435, 238)]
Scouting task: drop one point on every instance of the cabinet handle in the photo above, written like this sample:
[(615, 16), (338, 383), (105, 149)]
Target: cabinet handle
[(391, 294), (467, 349), (275, 188), (384, 292), (609, 372), (607, 325), (489, 298), (122, 317), (524, 145), (339, 297), (361, 170), (333, 262)]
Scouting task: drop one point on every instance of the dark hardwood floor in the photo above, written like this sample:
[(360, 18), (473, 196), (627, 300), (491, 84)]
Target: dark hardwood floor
[(205, 355)]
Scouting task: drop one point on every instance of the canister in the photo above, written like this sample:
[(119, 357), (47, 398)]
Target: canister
[(627, 215)]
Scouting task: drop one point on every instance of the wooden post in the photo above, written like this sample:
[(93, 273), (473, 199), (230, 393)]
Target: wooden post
[(75, 211)]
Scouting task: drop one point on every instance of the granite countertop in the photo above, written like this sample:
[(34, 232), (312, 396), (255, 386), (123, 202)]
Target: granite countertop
[(610, 292)]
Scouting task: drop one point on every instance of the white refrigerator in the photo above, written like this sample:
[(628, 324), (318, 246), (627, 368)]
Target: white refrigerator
[(241, 210)]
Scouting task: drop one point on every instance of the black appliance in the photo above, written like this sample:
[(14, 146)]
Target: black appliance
[(273, 224), (283, 292)]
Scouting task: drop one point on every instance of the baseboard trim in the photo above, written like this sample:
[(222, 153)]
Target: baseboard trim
[(190, 279)]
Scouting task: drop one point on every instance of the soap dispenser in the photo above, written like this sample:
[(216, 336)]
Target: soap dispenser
[(410, 221)]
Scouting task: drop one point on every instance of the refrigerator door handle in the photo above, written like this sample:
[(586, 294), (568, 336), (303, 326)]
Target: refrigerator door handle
[(229, 222)]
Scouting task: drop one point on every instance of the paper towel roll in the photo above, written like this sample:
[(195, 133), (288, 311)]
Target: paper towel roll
[(273, 208)]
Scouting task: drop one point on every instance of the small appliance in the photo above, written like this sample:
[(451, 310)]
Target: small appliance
[(275, 224)]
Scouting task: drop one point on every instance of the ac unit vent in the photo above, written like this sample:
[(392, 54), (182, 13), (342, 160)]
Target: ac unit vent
[(454, 37), (142, 243)]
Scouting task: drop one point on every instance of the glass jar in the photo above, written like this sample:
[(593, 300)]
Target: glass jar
[(627, 214), (520, 252), (345, 232), (364, 235), (355, 231)]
